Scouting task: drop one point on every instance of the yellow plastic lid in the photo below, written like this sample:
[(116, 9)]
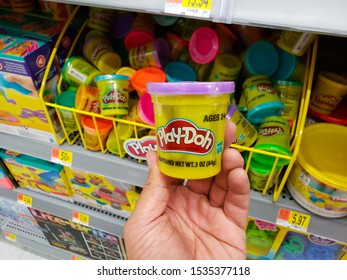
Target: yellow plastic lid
[(323, 153), (109, 63)]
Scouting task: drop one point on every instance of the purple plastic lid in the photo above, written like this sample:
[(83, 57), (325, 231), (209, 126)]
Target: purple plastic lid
[(204, 45), (188, 88), (121, 25), (231, 110), (163, 54)]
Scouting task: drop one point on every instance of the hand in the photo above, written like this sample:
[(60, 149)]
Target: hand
[(204, 219)]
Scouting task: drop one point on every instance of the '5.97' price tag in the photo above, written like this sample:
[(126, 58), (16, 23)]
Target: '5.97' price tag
[(61, 157), (293, 220)]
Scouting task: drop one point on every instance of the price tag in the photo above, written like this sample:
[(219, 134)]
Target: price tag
[(24, 200), (75, 258), (196, 8), (81, 218), (11, 236), (293, 220), (61, 157)]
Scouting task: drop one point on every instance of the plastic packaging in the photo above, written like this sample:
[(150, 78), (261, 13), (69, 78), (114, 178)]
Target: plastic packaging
[(91, 131), (190, 126), (113, 94), (67, 99), (246, 134), (262, 99), (328, 92), (153, 54), (77, 71), (318, 178), (273, 136), (87, 99)]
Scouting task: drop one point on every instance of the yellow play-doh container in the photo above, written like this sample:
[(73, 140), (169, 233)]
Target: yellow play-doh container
[(259, 174), (190, 126), (328, 92), (226, 67), (262, 99), (91, 130), (318, 179), (87, 99), (295, 42), (113, 94), (274, 137), (127, 71), (245, 134), (290, 94), (99, 51)]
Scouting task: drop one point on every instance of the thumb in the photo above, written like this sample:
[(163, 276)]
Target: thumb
[(155, 194)]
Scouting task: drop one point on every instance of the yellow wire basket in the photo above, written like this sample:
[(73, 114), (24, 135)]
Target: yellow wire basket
[(276, 178)]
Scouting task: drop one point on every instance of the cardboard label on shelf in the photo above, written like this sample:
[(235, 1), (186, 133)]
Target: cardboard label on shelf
[(195, 8), (81, 218), (24, 200), (10, 236), (293, 220), (61, 157)]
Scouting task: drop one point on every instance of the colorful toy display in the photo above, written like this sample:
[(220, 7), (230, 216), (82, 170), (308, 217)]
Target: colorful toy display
[(37, 174), (79, 239), (269, 241), (6, 179), (100, 192), (23, 63)]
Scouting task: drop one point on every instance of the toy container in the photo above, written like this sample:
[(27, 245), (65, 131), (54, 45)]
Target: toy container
[(273, 136), (99, 191), (152, 54), (178, 71), (262, 99), (38, 28), (144, 75), (142, 31), (318, 179), (96, 131), (113, 94), (295, 42), (87, 99), (190, 125), (328, 92), (246, 134), (24, 62), (37, 174)]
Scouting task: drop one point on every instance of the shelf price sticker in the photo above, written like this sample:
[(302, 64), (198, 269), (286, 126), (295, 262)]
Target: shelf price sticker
[(11, 236), (80, 218), (61, 157), (76, 258), (196, 8), (293, 220), (24, 200)]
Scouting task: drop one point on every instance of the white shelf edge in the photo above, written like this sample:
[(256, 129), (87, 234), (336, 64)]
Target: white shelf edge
[(101, 220), (36, 242), (310, 15), (129, 170)]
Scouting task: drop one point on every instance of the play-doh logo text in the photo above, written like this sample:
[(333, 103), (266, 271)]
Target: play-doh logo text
[(181, 135), (271, 130), (138, 148)]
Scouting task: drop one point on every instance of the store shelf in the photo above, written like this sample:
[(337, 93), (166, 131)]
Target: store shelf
[(261, 207), (36, 241), (98, 219), (310, 15), (126, 169)]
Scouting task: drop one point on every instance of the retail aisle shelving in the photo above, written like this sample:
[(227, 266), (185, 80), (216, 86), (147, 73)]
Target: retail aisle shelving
[(309, 15), (36, 241)]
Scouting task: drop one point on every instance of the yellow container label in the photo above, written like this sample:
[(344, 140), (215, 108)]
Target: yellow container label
[(190, 146)]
